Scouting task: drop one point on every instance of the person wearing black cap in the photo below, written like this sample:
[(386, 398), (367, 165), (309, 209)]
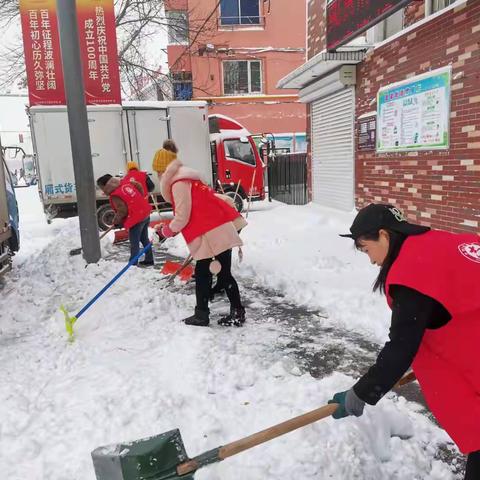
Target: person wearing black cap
[(431, 281)]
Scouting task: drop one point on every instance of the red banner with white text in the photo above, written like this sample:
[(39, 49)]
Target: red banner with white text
[(98, 46), (43, 60)]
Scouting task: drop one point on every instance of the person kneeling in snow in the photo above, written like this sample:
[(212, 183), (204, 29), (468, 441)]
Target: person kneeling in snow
[(132, 211), (430, 279), (210, 227)]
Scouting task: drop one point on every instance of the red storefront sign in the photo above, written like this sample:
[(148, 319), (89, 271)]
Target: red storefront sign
[(347, 19), (98, 46), (42, 52)]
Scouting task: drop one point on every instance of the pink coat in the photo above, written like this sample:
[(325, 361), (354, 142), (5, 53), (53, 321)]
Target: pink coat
[(211, 243)]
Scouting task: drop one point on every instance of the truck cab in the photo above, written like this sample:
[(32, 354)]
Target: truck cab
[(237, 166)]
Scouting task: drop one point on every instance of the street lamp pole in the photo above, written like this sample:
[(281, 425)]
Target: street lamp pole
[(79, 134)]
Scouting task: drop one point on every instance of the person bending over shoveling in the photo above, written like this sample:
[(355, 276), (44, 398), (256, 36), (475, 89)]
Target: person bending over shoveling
[(132, 211), (430, 279)]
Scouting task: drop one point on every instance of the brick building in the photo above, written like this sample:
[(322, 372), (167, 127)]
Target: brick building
[(437, 186)]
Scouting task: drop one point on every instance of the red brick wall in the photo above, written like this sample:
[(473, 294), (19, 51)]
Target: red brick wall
[(437, 188), (316, 31)]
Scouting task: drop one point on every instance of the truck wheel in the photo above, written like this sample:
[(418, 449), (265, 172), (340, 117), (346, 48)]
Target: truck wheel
[(105, 216), (237, 198)]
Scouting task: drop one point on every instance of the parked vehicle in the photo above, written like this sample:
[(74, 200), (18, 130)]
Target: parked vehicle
[(227, 156), (21, 166), (9, 219)]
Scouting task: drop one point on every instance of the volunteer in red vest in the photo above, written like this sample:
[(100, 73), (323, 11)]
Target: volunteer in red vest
[(209, 225), (132, 211), (431, 281), (140, 176)]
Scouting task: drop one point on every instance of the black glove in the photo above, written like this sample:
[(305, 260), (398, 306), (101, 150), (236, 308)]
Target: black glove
[(348, 404)]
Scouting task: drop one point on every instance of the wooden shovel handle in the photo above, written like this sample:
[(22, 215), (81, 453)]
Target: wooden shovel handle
[(268, 434), (288, 426), (276, 431)]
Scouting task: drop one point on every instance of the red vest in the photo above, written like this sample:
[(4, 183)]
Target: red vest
[(140, 177), (446, 267), (138, 208), (208, 211)]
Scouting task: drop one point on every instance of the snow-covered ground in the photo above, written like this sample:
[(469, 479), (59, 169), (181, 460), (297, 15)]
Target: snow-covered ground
[(136, 370)]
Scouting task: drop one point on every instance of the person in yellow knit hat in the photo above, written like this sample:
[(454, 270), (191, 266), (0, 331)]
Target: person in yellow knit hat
[(163, 157)]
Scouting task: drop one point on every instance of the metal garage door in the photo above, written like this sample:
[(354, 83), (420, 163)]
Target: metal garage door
[(332, 120)]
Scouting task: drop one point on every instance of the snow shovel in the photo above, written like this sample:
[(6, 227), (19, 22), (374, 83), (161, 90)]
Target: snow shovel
[(163, 457), (70, 321), (78, 251), (185, 271)]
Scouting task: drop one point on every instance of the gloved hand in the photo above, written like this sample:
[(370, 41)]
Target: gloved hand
[(348, 404), (166, 231)]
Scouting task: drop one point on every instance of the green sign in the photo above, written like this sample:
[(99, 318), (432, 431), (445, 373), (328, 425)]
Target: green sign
[(415, 114)]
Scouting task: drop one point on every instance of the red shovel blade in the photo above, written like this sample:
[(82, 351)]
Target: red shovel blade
[(187, 273), (170, 268), (120, 236)]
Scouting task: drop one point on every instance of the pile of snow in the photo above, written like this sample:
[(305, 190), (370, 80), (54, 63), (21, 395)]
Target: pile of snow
[(136, 370)]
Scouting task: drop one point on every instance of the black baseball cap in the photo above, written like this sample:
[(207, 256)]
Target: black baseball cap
[(376, 216)]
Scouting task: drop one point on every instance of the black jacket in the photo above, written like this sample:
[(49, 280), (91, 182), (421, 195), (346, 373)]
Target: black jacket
[(412, 314)]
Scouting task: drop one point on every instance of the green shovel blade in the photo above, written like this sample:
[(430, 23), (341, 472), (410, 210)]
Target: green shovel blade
[(154, 458), (69, 322)]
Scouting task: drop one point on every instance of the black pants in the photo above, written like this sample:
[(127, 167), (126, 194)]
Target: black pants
[(203, 281), (472, 471)]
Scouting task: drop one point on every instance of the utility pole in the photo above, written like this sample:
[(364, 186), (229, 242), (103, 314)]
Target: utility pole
[(79, 134)]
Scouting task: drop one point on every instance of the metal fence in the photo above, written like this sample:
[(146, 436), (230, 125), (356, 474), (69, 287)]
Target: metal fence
[(287, 178)]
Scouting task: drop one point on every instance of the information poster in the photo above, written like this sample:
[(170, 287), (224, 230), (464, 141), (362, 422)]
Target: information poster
[(414, 114)]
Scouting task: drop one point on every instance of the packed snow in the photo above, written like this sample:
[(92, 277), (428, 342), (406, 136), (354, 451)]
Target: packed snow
[(135, 370)]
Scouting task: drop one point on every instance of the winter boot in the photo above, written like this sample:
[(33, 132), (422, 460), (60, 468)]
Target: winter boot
[(236, 318), (199, 319)]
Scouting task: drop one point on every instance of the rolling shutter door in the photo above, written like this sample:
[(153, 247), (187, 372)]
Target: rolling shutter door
[(332, 119)]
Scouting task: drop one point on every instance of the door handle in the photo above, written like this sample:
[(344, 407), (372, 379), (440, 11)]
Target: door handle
[(228, 174)]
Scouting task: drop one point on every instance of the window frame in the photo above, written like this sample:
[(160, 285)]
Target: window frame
[(249, 73), (238, 160), (240, 24), (432, 3), (172, 40)]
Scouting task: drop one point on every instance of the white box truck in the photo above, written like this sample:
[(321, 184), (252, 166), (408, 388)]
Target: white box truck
[(134, 132), (118, 135)]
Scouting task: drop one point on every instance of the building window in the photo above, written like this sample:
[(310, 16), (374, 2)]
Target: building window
[(182, 85), (440, 4), (386, 28), (242, 77), (177, 28), (239, 12), (240, 150)]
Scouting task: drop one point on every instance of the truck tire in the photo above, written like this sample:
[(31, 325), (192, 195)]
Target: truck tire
[(237, 198), (105, 214)]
